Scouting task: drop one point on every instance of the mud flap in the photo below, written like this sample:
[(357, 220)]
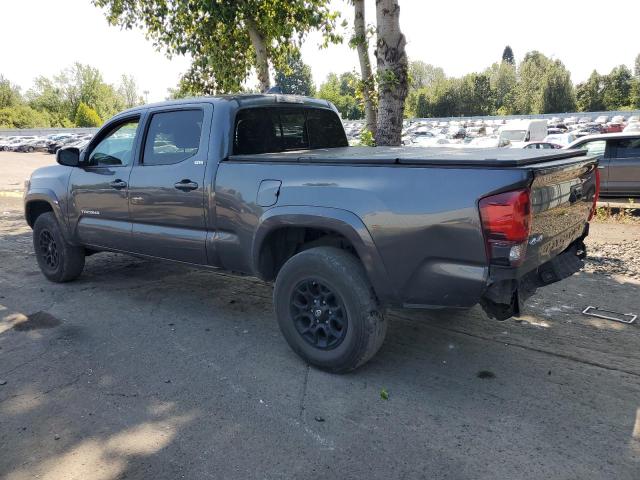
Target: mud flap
[(505, 298)]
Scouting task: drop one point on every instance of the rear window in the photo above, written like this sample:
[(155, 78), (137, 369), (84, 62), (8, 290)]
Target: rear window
[(269, 130)]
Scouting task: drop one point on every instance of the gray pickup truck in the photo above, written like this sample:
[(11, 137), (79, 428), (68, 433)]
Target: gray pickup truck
[(266, 185)]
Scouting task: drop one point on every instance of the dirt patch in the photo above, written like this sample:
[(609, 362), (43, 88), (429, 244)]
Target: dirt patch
[(37, 321)]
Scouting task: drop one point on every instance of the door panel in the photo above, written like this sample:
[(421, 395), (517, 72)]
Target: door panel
[(99, 188), (601, 150), (166, 188), (624, 167)]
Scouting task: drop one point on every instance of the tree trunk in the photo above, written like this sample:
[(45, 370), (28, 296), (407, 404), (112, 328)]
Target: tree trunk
[(262, 58), (368, 82), (392, 73)]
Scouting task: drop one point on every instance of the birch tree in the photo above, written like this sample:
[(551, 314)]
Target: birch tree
[(391, 72)]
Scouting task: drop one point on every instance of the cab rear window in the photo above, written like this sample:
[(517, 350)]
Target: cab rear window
[(270, 130)]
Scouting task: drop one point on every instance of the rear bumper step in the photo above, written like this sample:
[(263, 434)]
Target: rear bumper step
[(505, 298)]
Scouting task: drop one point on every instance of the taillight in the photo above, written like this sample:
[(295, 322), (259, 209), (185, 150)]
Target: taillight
[(596, 195), (506, 223)]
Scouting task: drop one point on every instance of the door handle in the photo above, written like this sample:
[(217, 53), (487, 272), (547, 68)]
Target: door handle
[(118, 184), (186, 185)]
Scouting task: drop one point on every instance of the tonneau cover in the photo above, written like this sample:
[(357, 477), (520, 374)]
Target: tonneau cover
[(484, 157)]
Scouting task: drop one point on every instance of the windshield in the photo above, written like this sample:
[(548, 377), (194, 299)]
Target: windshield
[(513, 135)]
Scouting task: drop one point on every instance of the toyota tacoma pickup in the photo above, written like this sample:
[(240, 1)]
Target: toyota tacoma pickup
[(266, 185)]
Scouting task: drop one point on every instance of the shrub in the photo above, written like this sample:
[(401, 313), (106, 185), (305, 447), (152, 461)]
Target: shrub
[(87, 116)]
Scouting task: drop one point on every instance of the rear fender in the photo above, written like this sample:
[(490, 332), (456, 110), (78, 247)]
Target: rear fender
[(340, 221)]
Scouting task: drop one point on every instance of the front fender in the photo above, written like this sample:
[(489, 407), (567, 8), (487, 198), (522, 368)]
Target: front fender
[(340, 221), (49, 196)]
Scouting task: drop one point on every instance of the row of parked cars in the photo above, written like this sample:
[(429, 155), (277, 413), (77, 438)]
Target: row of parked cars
[(486, 133), (49, 143)]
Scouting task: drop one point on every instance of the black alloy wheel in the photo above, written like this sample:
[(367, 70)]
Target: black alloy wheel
[(318, 314)]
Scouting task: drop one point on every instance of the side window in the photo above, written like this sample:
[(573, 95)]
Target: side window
[(595, 147), (172, 137), (628, 148), (116, 148)]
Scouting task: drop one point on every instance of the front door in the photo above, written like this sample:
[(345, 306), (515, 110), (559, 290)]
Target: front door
[(166, 188), (624, 167), (99, 187)]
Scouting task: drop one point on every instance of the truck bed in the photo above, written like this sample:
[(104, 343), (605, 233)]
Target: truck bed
[(436, 156)]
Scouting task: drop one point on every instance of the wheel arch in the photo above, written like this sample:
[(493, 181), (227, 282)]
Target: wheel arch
[(337, 225), (38, 202)]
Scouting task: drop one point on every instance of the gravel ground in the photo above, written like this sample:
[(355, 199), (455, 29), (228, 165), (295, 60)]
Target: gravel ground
[(151, 370)]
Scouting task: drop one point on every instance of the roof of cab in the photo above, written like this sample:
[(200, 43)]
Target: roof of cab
[(242, 100)]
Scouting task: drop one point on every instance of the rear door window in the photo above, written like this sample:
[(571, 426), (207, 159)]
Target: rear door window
[(172, 137), (270, 130), (628, 148)]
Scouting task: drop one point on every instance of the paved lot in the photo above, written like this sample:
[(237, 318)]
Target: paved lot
[(148, 370)]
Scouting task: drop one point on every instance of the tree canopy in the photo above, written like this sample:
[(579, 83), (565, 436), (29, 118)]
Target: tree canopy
[(55, 101), (295, 78), (226, 38), (507, 55)]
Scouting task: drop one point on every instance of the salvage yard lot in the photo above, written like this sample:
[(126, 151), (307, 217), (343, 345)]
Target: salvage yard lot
[(143, 369)]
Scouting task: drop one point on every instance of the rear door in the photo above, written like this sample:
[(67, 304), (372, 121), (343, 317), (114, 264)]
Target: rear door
[(166, 187), (624, 166)]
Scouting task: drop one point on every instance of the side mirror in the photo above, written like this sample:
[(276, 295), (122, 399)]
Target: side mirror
[(69, 156)]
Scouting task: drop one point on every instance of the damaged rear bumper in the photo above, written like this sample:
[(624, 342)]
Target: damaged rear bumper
[(505, 298)]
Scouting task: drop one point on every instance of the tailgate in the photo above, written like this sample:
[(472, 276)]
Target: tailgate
[(562, 197)]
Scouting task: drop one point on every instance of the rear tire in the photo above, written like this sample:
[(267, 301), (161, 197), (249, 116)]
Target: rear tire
[(327, 310), (58, 261)]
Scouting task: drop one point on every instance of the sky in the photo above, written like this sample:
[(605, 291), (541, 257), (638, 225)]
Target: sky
[(42, 37)]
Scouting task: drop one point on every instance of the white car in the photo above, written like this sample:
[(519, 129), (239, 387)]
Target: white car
[(632, 127)]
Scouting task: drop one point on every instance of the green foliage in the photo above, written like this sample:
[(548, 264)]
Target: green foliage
[(384, 395), (558, 94), (295, 78), (9, 93), (342, 92), (87, 116), (23, 116), (589, 94), (129, 92), (544, 86), (507, 56), (503, 82), (424, 75), (616, 89), (217, 34), (367, 139)]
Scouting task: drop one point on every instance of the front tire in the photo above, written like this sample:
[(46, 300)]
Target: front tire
[(327, 311), (58, 261)]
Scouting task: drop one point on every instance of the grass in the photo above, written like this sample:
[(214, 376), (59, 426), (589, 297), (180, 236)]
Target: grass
[(618, 215)]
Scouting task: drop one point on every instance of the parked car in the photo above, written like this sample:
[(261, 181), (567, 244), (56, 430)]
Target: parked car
[(541, 146), (613, 127), (266, 185), (632, 127), (602, 119), (562, 139), (619, 156)]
